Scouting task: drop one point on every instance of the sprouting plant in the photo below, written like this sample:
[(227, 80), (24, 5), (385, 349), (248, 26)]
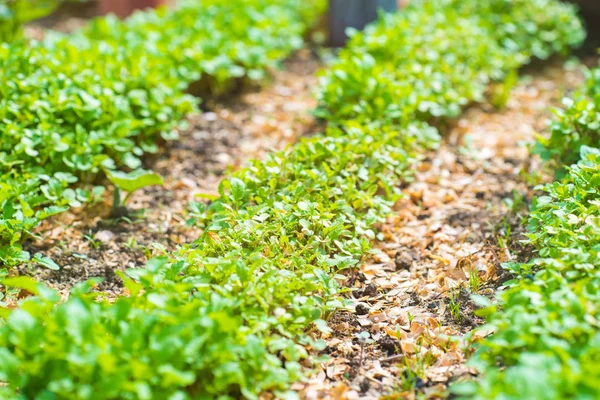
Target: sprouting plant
[(364, 338), (501, 92), (413, 372), (410, 379), (130, 183), (474, 280), (503, 234), (454, 305), (131, 243), (411, 317), (517, 202), (93, 241), (467, 148), (147, 252)]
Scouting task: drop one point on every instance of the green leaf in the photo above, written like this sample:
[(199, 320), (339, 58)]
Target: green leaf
[(46, 262), (50, 211), (238, 189), (138, 179), (22, 282)]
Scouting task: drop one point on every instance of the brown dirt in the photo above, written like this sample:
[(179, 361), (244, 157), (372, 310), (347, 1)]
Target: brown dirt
[(459, 220), (67, 18), (88, 243)]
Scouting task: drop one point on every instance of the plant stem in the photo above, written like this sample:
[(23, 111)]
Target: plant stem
[(116, 198)]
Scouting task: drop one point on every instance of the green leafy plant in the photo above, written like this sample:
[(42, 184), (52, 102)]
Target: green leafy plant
[(246, 38), (130, 183), (213, 309), (40, 259), (386, 75)]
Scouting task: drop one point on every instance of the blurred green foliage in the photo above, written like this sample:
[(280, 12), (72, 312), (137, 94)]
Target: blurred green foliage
[(15, 13)]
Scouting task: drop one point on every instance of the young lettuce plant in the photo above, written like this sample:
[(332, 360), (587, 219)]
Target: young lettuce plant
[(130, 183)]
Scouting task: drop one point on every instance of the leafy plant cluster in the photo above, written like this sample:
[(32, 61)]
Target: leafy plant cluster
[(429, 64), (575, 125), (231, 314), (72, 107), (547, 336)]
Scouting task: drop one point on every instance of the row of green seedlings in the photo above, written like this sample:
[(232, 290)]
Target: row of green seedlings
[(76, 108), (546, 343), (379, 80), (235, 313)]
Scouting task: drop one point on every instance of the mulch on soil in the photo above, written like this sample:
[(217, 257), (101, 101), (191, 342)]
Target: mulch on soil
[(458, 222)]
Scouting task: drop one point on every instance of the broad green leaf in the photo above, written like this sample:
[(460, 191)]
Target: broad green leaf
[(46, 261), (132, 181)]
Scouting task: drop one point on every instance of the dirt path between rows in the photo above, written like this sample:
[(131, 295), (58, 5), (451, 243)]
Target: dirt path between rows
[(458, 222), (87, 243)]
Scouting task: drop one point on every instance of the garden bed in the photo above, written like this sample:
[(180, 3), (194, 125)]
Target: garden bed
[(243, 292)]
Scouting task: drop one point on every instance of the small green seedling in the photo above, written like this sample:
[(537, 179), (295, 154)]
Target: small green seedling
[(130, 183), (474, 280), (501, 92), (93, 242), (454, 304), (44, 261)]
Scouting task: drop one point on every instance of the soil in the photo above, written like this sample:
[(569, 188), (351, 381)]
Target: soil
[(67, 18), (89, 242), (458, 222)]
